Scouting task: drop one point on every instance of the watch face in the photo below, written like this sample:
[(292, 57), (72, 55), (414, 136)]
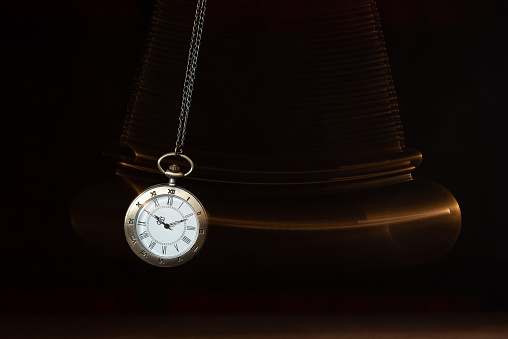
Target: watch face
[(165, 225)]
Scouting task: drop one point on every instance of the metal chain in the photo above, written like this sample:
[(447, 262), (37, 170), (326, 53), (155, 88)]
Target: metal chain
[(190, 74)]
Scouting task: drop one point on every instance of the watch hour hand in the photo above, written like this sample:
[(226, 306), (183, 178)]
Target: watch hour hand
[(160, 220)]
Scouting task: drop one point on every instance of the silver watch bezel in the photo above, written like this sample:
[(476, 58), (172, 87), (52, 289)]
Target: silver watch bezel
[(138, 203)]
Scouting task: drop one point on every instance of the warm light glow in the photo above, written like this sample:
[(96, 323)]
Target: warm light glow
[(404, 217)]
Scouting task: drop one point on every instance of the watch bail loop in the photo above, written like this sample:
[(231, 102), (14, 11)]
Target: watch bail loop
[(174, 170)]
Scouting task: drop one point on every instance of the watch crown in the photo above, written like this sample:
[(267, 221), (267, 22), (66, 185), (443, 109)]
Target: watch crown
[(174, 168), (172, 173)]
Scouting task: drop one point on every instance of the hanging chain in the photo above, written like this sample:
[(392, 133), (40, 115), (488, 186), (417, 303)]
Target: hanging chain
[(190, 75)]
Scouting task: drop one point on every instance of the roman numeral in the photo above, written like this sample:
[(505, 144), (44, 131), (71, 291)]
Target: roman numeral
[(191, 228), (189, 215), (186, 240), (143, 235), (142, 223), (152, 245), (170, 200), (181, 204), (156, 202), (164, 247), (176, 246)]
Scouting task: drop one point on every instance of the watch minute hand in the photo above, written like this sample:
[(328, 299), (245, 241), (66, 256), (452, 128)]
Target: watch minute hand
[(177, 222), (152, 215)]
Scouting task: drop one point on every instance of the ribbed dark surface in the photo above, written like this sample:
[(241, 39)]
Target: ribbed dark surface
[(295, 133), (281, 86)]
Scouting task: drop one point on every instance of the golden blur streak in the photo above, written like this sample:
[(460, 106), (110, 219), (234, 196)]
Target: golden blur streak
[(328, 225), (404, 218), (349, 178), (380, 174), (374, 165), (152, 170)]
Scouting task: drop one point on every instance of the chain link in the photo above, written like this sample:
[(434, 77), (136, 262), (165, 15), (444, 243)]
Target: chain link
[(190, 74)]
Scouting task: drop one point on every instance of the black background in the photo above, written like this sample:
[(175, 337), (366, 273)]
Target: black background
[(68, 70)]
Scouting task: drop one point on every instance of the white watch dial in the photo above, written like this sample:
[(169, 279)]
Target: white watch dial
[(167, 226)]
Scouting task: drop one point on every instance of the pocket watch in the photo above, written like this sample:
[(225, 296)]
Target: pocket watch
[(166, 225)]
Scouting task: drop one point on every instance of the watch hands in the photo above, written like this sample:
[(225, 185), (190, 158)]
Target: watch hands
[(177, 222), (160, 221)]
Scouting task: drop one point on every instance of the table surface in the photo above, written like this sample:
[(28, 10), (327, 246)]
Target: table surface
[(394, 326)]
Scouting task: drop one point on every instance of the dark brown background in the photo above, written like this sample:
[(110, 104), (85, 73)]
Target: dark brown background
[(68, 70)]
